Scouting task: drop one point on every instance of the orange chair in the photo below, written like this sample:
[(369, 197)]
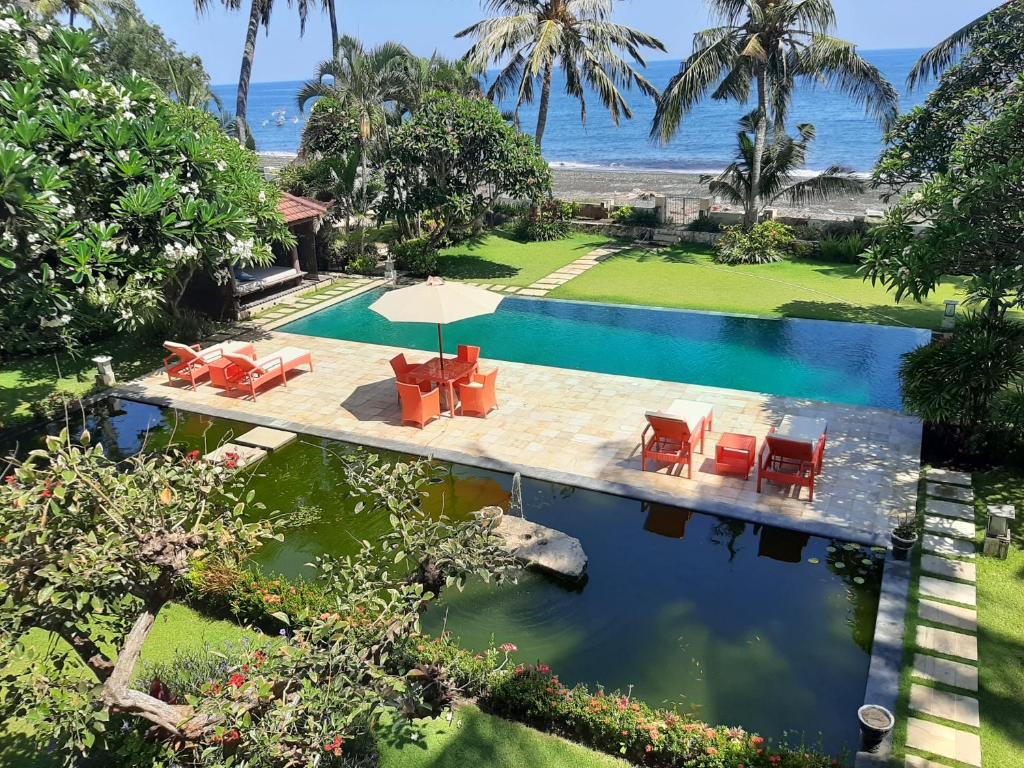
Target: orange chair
[(468, 354), (668, 440), (405, 373), (479, 397), (249, 374), (190, 363), (418, 408), (786, 461)]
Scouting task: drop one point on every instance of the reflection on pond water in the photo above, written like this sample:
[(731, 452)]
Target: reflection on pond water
[(738, 623)]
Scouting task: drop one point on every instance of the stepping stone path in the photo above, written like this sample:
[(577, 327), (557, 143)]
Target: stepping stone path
[(562, 276), (266, 438), (303, 303), (240, 456), (945, 718)]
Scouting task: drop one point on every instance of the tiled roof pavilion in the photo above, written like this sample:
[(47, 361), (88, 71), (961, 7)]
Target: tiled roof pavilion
[(299, 209)]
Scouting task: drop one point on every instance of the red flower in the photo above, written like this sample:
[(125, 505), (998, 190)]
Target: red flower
[(712, 751), (237, 681), (334, 747), (544, 669), (11, 480), (757, 741), (774, 759), (508, 648), (193, 455), (648, 748), (46, 494)]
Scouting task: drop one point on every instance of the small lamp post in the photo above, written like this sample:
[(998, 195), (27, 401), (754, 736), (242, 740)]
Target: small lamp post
[(949, 315), (104, 370), (997, 532), (390, 274)]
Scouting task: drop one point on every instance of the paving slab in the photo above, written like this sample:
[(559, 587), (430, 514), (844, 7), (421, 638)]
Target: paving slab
[(950, 615), (949, 527), (950, 477), (927, 736), (954, 591), (913, 761), (242, 455), (950, 569), (947, 642), (266, 438), (951, 492), (945, 508), (532, 292), (949, 706), (943, 545), (946, 671)]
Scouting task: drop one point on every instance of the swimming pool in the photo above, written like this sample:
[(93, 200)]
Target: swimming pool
[(737, 623), (813, 359)]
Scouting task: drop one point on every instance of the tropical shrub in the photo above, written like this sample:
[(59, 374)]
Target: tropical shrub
[(628, 216), (332, 129), (704, 224), (842, 249), (547, 221), (954, 383), (416, 257), (113, 196), (764, 243), (453, 160)]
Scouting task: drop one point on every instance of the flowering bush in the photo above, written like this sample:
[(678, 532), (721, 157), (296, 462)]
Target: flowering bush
[(113, 196), (550, 220), (763, 243)]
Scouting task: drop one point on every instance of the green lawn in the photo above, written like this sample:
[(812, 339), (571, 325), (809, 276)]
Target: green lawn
[(25, 380), (499, 259), (1001, 629), (686, 277), (472, 738)]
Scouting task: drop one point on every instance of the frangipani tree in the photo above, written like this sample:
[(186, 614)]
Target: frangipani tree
[(937, 60), (763, 49), (530, 38), (782, 158)]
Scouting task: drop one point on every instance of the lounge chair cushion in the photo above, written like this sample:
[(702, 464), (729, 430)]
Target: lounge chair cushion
[(691, 411), (284, 355), (208, 354), (801, 429)]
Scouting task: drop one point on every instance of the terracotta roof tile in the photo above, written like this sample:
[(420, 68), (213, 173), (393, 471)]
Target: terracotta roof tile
[(296, 209)]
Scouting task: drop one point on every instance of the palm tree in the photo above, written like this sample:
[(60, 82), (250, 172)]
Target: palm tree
[(781, 158), (440, 74), (935, 61), (374, 82), (332, 12), (769, 46), (259, 15), (533, 36), (98, 12)]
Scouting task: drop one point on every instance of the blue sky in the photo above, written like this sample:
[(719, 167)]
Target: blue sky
[(428, 25)]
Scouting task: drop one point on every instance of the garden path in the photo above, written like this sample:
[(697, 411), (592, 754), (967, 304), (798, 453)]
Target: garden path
[(560, 276)]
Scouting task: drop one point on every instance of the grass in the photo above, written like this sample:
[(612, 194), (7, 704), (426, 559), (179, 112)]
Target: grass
[(472, 738), (686, 277), (500, 259), (1001, 628), (25, 380)]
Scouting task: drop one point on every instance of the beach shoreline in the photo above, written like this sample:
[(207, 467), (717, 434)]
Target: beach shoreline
[(584, 183)]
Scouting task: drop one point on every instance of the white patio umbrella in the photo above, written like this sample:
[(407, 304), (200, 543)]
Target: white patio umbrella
[(436, 302)]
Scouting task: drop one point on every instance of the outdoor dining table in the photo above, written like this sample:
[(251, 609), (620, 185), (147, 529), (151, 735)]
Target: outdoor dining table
[(444, 373)]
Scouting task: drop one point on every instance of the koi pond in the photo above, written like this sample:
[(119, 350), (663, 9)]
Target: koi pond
[(736, 623)]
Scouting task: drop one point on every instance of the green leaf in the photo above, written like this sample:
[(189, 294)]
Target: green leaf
[(282, 617)]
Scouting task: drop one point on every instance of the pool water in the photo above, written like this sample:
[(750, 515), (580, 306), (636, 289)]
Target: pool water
[(815, 359), (739, 624)]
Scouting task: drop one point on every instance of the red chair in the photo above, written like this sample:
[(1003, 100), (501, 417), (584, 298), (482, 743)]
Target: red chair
[(418, 408), (468, 354), (479, 397), (790, 462), (668, 440), (249, 374), (405, 373)]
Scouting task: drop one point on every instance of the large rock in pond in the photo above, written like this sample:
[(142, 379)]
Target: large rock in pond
[(540, 547)]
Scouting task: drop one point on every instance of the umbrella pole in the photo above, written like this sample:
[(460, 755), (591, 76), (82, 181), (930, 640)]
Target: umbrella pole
[(440, 346)]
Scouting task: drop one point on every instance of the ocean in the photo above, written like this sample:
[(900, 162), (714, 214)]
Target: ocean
[(706, 141)]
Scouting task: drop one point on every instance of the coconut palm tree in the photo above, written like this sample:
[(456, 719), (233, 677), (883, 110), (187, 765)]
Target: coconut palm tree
[(781, 158), (438, 73), (98, 12), (259, 15), (767, 47), (532, 37), (938, 59)]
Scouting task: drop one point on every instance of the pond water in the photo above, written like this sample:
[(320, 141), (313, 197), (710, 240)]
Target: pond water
[(816, 359), (737, 623)]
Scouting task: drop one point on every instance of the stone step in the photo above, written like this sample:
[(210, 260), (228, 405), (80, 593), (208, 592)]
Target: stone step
[(950, 615), (949, 509), (944, 545), (947, 642), (954, 591), (913, 761), (951, 492), (948, 527), (266, 438), (950, 477), (532, 292), (238, 456), (942, 740), (950, 569), (945, 671), (949, 706)]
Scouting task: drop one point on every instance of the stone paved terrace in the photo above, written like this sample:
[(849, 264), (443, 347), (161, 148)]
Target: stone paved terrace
[(583, 429)]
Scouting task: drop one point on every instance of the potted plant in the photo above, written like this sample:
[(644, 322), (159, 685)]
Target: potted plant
[(876, 723), (904, 537)]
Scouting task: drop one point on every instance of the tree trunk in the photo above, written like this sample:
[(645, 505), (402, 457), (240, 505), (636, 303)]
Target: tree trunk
[(760, 141), (71, 17), (333, 11), (245, 75), (545, 103)]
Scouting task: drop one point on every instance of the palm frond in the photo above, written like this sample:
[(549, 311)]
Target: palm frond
[(937, 60)]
